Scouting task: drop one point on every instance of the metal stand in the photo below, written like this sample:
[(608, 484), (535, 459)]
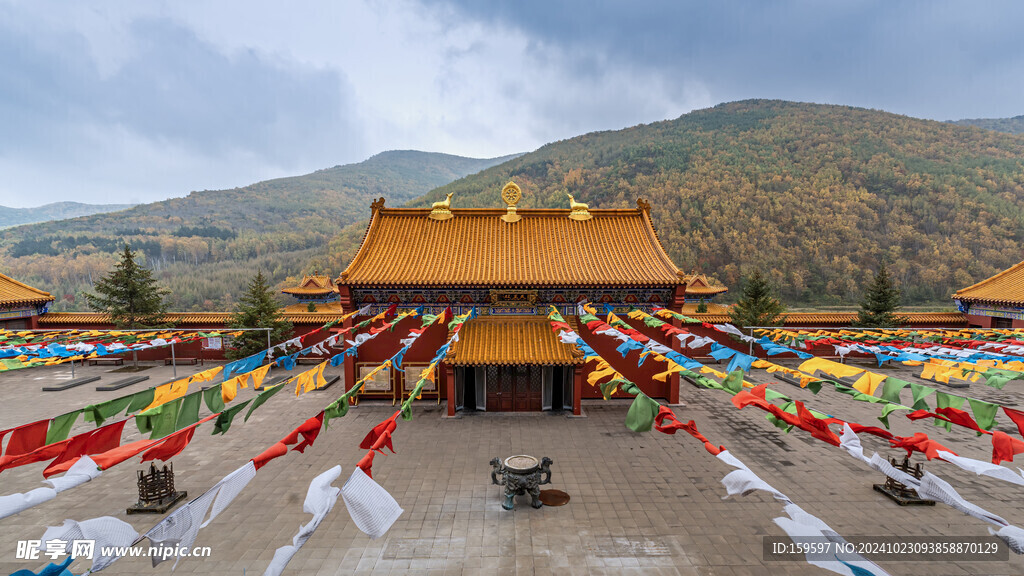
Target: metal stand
[(156, 491), (899, 492)]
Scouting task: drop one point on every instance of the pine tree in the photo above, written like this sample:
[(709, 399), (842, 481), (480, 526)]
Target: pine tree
[(702, 306), (880, 303), (130, 295), (758, 305), (257, 308)]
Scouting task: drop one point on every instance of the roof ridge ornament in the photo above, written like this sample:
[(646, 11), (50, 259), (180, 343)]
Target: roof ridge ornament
[(511, 194), (578, 210), (376, 205), (643, 205), (441, 210)]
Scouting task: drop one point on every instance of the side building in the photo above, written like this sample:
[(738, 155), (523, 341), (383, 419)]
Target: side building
[(21, 305), (995, 302)]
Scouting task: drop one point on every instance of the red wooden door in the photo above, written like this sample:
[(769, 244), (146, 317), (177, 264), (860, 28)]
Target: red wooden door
[(500, 389)]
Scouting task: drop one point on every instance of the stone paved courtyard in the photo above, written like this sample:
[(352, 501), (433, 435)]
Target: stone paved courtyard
[(641, 503)]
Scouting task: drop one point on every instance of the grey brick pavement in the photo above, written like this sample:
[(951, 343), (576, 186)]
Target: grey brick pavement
[(641, 503)]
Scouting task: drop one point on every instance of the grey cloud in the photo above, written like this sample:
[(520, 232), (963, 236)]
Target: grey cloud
[(930, 59), (173, 89)]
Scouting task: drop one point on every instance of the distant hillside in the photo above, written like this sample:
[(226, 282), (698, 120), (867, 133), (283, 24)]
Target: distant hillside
[(56, 211), (1013, 125), (205, 246), (816, 194)]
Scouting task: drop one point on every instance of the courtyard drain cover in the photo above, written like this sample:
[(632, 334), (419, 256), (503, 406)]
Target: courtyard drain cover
[(554, 498)]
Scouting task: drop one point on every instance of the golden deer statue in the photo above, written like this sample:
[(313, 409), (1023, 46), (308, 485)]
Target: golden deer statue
[(441, 210), (445, 205), (578, 210), (574, 205)]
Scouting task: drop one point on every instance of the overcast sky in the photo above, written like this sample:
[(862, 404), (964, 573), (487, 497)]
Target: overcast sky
[(132, 101)]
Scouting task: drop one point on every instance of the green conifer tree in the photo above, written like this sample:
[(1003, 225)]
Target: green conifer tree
[(257, 308), (758, 306), (880, 303), (130, 295), (702, 306)]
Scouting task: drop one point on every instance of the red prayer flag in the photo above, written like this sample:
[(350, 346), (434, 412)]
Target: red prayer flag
[(278, 449), (366, 463), (1005, 447), (119, 454), (308, 430), (816, 426), (96, 441), (171, 446), (1018, 418), (919, 442), (387, 426), (664, 412), (26, 438)]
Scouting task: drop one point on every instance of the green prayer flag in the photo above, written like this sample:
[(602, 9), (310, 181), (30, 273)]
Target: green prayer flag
[(99, 412), (943, 400), (223, 422), (337, 409), (60, 427), (888, 409), (770, 395), (891, 388), (213, 398), (259, 400), (159, 420), (642, 411), (920, 392), (141, 399), (984, 413), (734, 381), (653, 322), (608, 388), (406, 407), (858, 395), (997, 378), (189, 412)]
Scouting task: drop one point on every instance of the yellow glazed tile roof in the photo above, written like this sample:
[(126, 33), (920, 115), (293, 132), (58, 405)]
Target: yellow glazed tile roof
[(14, 293), (180, 319), (1007, 287), (476, 248), (312, 285), (944, 319), (507, 340)]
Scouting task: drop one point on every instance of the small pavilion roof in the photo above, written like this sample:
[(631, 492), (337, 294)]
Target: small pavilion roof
[(510, 340), (312, 285)]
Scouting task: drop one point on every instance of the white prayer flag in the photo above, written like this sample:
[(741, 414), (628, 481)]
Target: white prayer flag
[(320, 500), (372, 509)]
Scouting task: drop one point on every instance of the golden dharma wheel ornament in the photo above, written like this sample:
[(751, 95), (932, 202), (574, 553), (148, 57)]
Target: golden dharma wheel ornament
[(511, 194)]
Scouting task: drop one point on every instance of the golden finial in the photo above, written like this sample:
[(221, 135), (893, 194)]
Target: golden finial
[(442, 210), (511, 194)]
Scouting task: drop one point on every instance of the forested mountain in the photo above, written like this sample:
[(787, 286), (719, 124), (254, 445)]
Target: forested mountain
[(55, 211), (1013, 125), (205, 246), (815, 195)]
